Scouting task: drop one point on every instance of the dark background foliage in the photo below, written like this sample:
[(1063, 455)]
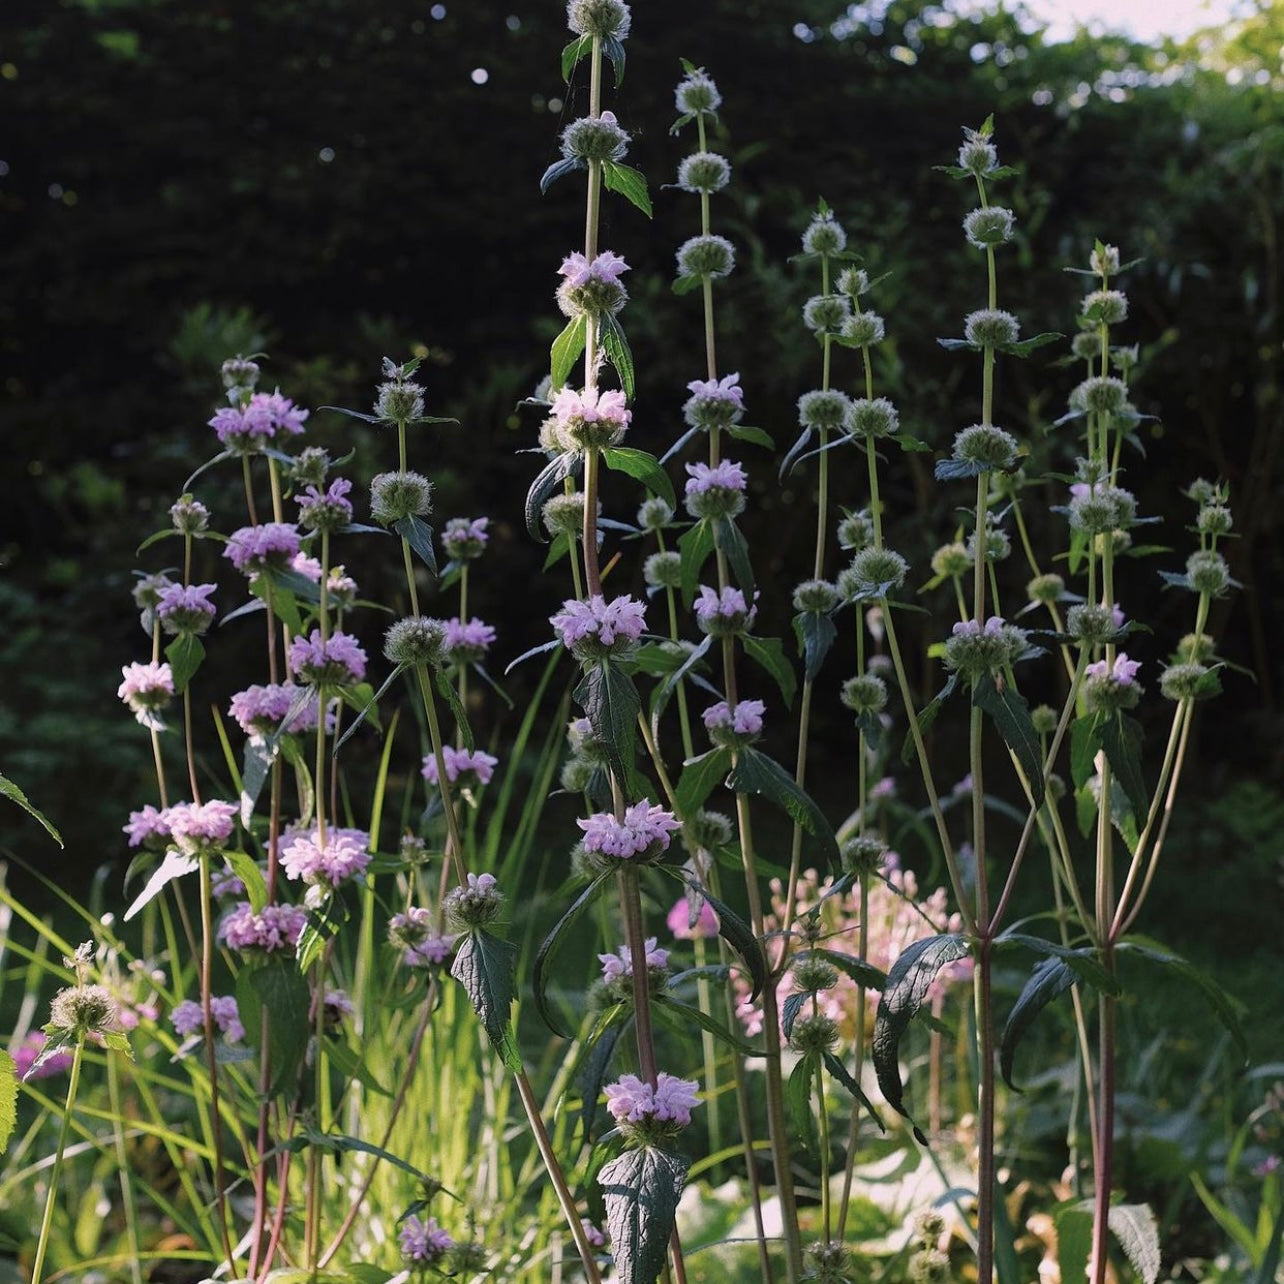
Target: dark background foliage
[(330, 183)]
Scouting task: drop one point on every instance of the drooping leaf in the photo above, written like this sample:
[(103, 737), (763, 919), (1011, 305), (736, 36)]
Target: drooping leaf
[(1226, 1007), (908, 981), (174, 865), (641, 1190), (662, 693), (8, 1098), (1050, 979), (1024, 347), (791, 455), (1121, 738), (790, 1010), (15, 795), (958, 469), (755, 773), (247, 870), (260, 754), (611, 704), (769, 653), (1134, 1226), (628, 182), (616, 346), (614, 51), (798, 1101), (1010, 713), (418, 534), (927, 715), (339, 1143), (681, 1017), (694, 547), (558, 169), (598, 1054), (746, 432), (731, 542), (184, 654), (275, 986), (450, 694), (544, 955), (566, 350), (1082, 960), (816, 633), (848, 1080), (866, 974), (737, 933), (486, 967), (700, 777), (645, 467), (551, 476)]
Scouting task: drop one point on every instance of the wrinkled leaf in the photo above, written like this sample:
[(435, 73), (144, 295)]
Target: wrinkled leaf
[(276, 987), (1050, 979), (611, 704), (1121, 738), (1010, 713), (798, 1102), (700, 777), (641, 1190), (418, 534), (544, 954), (1134, 1226), (486, 967), (846, 1078), (737, 933), (616, 346), (769, 653), (755, 773), (628, 182), (550, 478), (816, 633)]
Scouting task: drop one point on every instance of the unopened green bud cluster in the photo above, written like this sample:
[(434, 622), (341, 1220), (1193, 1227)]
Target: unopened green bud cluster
[(416, 640)]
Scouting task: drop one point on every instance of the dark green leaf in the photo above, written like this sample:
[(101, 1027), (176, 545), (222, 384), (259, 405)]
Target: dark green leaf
[(184, 654), (957, 469), (866, 974), (486, 966), (558, 169), (687, 284), (15, 795), (544, 955), (848, 1080), (680, 1017), (628, 182), (348, 1061), (1085, 741), (798, 1101), (908, 981), (731, 542), (694, 546), (577, 49), (324, 922), (418, 534), (550, 478), (558, 549), (1074, 1238), (755, 773), (566, 349), (279, 599), (611, 704), (616, 346), (614, 50), (770, 655), (339, 1144), (246, 869), (641, 1190), (599, 1051), (1010, 713), (789, 1010), (744, 432), (737, 933), (1050, 979), (450, 693), (1027, 346), (1121, 738), (816, 633), (700, 777), (646, 468), (1083, 960), (260, 754), (927, 715), (276, 988)]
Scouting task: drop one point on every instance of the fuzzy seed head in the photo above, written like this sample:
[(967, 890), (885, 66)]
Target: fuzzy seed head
[(83, 1009), (663, 570), (853, 282), (473, 904), (864, 330), (1043, 717), (986, 445), (1208, 573), (701, 256), (1214, 519), (814, 1033), (998, 547), (1092, 624), (654, 514), (874, 572), (396, 496), (865, 693), (707, 830), (813, 973), (951, 560), (819, 596), (988, 226), (827, 313), (309, 467), (1104, 261), (1100, 396), (595, 138), (416, 640), (1086, 345), (399, 401), (1195, 648), (602, 18), (1105, 307), (1181, 681), (564, 515), (703, 173), (825, 409), (991, 328), (874, 417), (855, 531), (973, 650), (824, 235), (697, 95), (1045, 588), (863, 854)]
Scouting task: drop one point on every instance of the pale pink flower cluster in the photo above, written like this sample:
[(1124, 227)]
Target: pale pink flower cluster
[(190, 826), (275, 928), (266, 416), (326, 509), (615, 966), (704, 927), (744, 720), (150, 823), (145, 689), (1124, 671), (189, 1017), (620, 620), (714, 402), (260, 710), (256, 548), (27, 1053), (185, 608), (465, 537), (414, 932), (632, 1100), (337, 661), (423, 1242), (468, 640), (573, 409), (644, 828), (728, 475), (728, 604), (605, 266), (461, 762), (971, 629), (343, 855), (897, 917)]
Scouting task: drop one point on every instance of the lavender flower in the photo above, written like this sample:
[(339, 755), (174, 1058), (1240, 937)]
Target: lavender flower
[(337, 661), (265, 417), (258, 548), (463, 766), (467, 643), (596, 628), (645, 831), (724, 612), (617, 966), (423, 1243), (326, 510), (631, 1100), (592, 417), (716, 491), (146, 689), (592, 286), (189, 1018), (465, 539), (474, 903), (275, 929), (343, 855), (578, 270), (714, 403), (728, 726), (262, 710), (185, 608), (414, 933), (195, 827), (148, 827)]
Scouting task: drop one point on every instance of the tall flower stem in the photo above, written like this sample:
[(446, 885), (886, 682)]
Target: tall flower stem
[(46, 1221), (453, 839)]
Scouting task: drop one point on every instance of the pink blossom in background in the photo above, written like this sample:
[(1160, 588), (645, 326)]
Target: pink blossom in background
[(705, 926)]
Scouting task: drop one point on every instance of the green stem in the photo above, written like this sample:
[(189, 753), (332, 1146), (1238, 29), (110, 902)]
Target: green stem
[(453, 839), (122, 1162), (42, 1245)]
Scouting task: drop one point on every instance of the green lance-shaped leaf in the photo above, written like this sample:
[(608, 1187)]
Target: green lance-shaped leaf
[(733, 546), (769, 654), (322, 927), (276, 987), (1227, 1008), (927, 715), (1023, 347), (173, 866), (1050, 979), (680, 1017), (544, 955), (737, 933), (663, 693), (1085, 743), (700, 777), (755, 773), (645, 467), (908, 981), (486, 967), (8, 1099), (790, 1011), (184, 654), (566, 349), (958, 469), (577, 49), (339, 1143), (816, 633), (559, 169), (615, 345), (866, 974), (628, 182), (747, 432), (794, 451), (848, 1080), (1134, 1226), (1010, 713), (246, 869), (641, 1190), (1074, 1238), (798, 1101), (1121, 738), (611, 704), (450, 694), (15, 795), (260, 754), (348, 1061), (418, 534), (599, 1051), (1083, 960), (694, 547), (550, 479)]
